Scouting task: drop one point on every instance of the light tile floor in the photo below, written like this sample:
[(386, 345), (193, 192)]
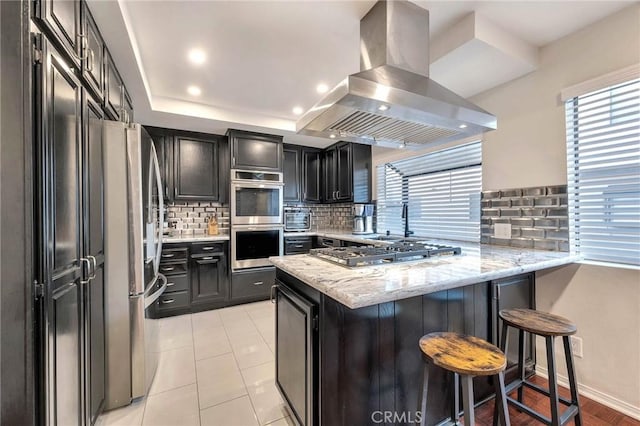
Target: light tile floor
[(215, 368)]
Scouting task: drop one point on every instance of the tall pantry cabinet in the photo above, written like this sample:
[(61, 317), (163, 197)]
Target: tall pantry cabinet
[(69, 87)]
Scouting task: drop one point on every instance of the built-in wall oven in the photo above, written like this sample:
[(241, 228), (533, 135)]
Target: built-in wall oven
[(253, 245), (256, 197)]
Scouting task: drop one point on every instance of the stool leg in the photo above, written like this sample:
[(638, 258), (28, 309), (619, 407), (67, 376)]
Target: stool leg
[(467, 400), (455, 409), (520, 362), (423, 395), (553, 386), (501, 411), (504, 337), (573, 383)]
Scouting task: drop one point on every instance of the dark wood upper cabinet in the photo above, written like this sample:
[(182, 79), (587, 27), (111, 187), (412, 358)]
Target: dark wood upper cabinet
[(291, 173), (127, 106), (62, 21), (196, 168), (344, 171), (113, 89), (93, 61), (329, 171), (311, 175), (255, 151), (347, 173)]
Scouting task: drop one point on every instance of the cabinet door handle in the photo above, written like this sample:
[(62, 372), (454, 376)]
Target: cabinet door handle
[(90, 60), (168, 268), (298, 246), (93, 260), (207, 248), (258, 283), (207, 258), (170, 284), (272, 293), (82, 261), (167, 301), (166, 255), (81, 40)]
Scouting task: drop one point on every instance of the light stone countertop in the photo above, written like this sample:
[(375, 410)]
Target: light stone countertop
[(190, 238), (371, 285)]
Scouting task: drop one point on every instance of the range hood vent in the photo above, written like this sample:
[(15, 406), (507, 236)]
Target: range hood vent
[(392, 101)]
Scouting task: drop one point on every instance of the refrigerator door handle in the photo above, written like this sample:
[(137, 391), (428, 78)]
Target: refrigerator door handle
[(148, 300)]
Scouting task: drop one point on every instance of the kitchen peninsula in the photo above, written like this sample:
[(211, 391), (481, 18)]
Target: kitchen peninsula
[(352, 333)]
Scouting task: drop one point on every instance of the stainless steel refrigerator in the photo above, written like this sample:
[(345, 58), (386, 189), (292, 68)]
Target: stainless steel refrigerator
[(133, 242)]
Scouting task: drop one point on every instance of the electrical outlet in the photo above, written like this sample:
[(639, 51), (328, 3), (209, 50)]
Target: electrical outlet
[(502, 230), (576, 346)]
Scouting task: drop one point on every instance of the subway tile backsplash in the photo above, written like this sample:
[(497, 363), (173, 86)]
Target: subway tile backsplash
[(335, 216), (193, 216), (539, 217)]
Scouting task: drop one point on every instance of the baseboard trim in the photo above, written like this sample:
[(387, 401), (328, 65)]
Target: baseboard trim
[(594, 394)]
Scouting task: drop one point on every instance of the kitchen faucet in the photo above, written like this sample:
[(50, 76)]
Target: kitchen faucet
[(405, 216)]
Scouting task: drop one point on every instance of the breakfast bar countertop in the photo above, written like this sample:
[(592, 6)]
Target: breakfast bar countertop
[(370, 285)]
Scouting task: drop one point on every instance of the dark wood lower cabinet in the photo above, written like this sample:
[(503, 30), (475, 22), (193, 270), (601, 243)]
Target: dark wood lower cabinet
[(368, 360), (197, 277), (209, 283)]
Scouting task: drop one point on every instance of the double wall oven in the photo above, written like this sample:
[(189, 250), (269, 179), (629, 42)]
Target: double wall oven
[(256, 218)]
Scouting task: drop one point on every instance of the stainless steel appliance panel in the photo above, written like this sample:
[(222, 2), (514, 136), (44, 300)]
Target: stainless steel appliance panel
[(296, 219), (117, 273), (256, 197), (253, 245), (133, 205), (295, 349)]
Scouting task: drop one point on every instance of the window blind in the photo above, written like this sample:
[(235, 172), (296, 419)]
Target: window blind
[(603, 167), (442, 190)]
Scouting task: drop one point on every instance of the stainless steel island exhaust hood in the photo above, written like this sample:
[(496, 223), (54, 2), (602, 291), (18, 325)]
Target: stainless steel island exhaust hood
[(392, 101)]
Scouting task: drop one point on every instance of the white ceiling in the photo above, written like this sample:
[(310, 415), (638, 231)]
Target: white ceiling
[(265, 57)]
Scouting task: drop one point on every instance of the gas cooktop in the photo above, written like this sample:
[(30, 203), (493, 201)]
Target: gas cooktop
[(396, 252)]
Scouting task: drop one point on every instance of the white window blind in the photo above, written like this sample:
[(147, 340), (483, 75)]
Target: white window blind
[(603, 166), (442, 190)]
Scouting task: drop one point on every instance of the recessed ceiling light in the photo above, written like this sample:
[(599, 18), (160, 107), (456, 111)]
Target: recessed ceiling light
[(383, 107), (194, 90), (197, 56), (322, 88), (297, 110), (463, 126), (332, 136), (402, 145)]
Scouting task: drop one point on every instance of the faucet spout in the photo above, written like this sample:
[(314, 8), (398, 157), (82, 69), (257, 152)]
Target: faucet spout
[(405, 216)]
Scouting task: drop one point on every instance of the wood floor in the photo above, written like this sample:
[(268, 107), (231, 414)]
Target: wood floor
[(593, 413)]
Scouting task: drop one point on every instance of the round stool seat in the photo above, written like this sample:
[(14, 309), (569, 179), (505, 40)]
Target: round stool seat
[(462, 354), (537, 322)]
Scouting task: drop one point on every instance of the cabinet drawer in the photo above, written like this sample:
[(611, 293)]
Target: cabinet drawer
[(176, 268), (171, 254), (177, 283), (179, 299), (297, 245), (252, 284), (205, 248)]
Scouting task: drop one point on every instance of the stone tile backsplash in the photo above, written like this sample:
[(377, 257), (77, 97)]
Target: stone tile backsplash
[(539, 217), (193, 217), (338, 216)]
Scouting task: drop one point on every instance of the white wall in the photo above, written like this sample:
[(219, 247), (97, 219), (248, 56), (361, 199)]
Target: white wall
[(528, 149)]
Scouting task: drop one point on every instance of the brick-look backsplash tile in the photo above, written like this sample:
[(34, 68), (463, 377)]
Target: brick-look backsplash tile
[(194, 217), (335, 216), (539, 217)]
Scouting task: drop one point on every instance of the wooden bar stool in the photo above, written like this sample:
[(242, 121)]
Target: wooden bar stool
[(468, 357), (548, 326)]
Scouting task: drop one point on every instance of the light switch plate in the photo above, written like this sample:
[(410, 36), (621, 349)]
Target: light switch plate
[(502, 230)]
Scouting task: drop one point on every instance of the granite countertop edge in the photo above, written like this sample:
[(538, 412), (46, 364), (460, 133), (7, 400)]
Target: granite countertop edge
[(340, 290)]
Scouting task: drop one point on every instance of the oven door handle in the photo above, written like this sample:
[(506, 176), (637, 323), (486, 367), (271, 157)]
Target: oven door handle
[(254, 184)]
